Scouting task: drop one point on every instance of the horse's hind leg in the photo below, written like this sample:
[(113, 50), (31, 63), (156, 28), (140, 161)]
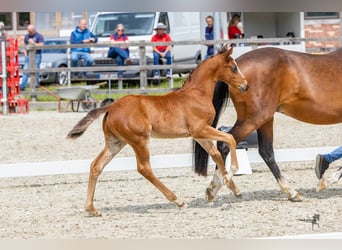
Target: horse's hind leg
[(144, 168), (112, 147)]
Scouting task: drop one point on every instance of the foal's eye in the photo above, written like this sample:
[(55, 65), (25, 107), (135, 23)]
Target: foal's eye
[(234, 69)]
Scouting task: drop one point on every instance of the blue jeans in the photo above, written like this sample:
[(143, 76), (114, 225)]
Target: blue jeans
[(120, 55), (210, 52), (334, 155), (77, 55), (156, 58), (26, 75)]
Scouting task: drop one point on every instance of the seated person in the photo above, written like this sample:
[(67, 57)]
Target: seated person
[(161, 51), (81, 35), (121, 54)]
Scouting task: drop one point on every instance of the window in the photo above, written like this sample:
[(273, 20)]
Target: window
[(6, 18), (321, 15), (46, 20), (23, 19)]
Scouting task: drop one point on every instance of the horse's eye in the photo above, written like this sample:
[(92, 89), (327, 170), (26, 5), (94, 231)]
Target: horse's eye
[(234, 69)]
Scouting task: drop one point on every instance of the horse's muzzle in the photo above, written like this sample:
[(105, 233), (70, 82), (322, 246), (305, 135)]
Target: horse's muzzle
[(243, 87)]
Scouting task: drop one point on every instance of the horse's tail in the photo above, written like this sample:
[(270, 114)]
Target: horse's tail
[(200, 156), (83, 124)]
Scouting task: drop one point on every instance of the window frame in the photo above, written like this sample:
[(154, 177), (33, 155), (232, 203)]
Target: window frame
[(9, 15), (307, 16)]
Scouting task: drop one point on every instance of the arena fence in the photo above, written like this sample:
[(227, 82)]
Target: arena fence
[(143, 67)]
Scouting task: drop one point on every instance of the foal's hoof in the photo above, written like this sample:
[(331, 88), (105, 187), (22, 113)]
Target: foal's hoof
[(209, 195), (238, 195), (322, 184), (180, 204), (93, 212), (297, 198)]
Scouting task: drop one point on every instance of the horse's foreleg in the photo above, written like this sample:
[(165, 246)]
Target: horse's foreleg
[(265, 142), (144, 168), (221, 175)]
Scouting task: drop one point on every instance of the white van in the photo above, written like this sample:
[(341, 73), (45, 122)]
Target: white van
[(139, 26)]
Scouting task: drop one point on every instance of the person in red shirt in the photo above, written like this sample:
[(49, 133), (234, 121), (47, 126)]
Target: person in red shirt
[(234, 31), (161, 51), (121, 54)]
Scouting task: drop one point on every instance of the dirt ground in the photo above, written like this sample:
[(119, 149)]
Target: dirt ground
[(51, 207)]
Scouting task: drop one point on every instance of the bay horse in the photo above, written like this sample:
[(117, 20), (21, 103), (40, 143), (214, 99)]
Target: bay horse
[(186, 112), (304, 86)]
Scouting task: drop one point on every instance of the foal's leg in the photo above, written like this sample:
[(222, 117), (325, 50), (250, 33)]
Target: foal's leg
[(144, 168), (209, 134), (112, 147)]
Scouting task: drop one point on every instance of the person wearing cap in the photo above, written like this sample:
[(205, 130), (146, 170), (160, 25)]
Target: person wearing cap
[(161, 51), (121, 54)]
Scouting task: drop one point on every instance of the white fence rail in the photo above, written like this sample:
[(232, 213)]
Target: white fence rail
[(157, 161)]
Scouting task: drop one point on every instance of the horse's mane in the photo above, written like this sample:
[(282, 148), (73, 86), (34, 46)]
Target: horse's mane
[(201, 62), (220, 101)]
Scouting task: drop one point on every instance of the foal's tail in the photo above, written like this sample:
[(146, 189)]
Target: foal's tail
[(220, 100), (83, 124)]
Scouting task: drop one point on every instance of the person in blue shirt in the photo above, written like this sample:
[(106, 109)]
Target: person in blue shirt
[(81, 35), (209, 35), (32, 38)]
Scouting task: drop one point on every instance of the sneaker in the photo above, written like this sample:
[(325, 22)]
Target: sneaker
[(168, 76), (321, 165), (156, 76)]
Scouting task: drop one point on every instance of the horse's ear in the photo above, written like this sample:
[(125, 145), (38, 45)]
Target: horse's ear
[(228, 52)]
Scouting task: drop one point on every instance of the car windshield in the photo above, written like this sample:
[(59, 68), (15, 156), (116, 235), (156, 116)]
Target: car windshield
[(136, 24), (54, 51)]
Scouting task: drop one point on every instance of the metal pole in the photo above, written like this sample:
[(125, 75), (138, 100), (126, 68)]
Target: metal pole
[(4, 76), (143, 72), (33, 75), (69, 65)]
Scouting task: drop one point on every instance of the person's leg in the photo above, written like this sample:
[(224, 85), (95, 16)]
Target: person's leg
[(120, 62), (156, 58), (25, 76), (38, 61), (74, 57), (89, 61), (168, 62), (334, 155)]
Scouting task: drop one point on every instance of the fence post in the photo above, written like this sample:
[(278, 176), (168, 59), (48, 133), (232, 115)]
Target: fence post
[(143, 72), (69, 64), (4, 76), (32, 65)]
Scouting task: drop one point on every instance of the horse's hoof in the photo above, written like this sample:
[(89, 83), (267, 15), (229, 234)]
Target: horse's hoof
[(93, 212), (322, 184), (208, 195), (238, 195), (297, 198), (180, 204)]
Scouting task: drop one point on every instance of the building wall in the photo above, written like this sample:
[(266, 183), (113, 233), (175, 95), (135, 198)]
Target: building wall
[(323, 29)]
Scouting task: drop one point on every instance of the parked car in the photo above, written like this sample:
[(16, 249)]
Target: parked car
[(52, 58)]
